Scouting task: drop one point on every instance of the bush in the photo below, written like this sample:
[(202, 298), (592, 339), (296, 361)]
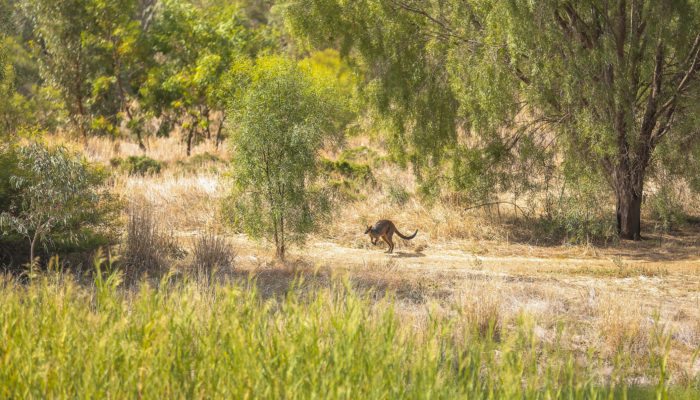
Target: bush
[(398, 195), (51, 196), (665, 209), (348, 169), (211, 253), (138, 165), (358, 153), (198, 162), (347, 178)]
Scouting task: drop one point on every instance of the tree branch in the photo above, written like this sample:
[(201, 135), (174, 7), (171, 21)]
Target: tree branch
[(670, 106)]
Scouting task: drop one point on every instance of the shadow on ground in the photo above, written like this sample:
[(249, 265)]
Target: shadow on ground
[(680, 244)]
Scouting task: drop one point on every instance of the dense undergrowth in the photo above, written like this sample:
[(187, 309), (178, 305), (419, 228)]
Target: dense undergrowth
[(188, 339)]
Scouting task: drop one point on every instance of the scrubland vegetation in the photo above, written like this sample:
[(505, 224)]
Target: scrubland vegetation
[(184, 186), (189, 339)]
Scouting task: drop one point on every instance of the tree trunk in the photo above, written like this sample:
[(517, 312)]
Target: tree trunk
[(205, 112), (280, 246), (79, 100), (280, 252), (190, 136), (32, 245), (629, 213), (219, 130), (279, 241)]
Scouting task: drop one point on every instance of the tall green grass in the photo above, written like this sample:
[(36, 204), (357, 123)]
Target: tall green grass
[(59, 339)]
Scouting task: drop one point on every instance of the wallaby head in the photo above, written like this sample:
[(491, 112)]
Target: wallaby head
[(369, 228)]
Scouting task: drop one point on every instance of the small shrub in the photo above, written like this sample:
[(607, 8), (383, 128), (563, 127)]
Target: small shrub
[(148, 249), (344, 190), (398, 195), (210, 253), (284, 119), (348, 169), (362, 154), (665, 210), (197, 162), (575, 226), (52, 197), (346, 178), (137, 165), (204, 158)]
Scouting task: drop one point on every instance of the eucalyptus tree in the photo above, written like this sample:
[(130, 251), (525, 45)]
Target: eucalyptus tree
[(65, 60), (283, 119), (118, 35), (6, 87), (26, 99), (603, 82), (48, 191), (196, 44)]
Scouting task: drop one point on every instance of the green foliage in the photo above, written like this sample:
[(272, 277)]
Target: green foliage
[(228, 341), (202, 162), (8, 168), (126, 65), (25, 100), (198, 44), (283, 119), (328, 69), (398, 195), (403, 69), (137, 165), (666, 209), (76, 57), (500, 87), (8, 106), (346, 178), (348, 169), (52, 196), (350, 173)]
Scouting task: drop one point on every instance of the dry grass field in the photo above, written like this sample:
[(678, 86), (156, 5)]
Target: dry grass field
[(613, 298)]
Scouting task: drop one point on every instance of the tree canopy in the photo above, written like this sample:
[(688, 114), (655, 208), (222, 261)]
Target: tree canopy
[(601, 83)]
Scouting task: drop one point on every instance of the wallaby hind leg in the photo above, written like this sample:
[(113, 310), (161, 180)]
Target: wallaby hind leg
[(390, 241)]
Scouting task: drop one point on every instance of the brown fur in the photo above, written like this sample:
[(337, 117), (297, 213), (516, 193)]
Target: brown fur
[(385, 229)]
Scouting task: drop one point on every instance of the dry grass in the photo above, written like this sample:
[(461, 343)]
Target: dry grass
[(147, 248), (481, 310), (435, 222), (168, 150), (624, 328), (462, 263), (188, 203), (211, 253)]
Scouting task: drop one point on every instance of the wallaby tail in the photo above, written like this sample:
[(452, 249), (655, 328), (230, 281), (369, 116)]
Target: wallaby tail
[(407, 237)]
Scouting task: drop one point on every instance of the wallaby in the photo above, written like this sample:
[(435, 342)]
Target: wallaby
[(385, 229)]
